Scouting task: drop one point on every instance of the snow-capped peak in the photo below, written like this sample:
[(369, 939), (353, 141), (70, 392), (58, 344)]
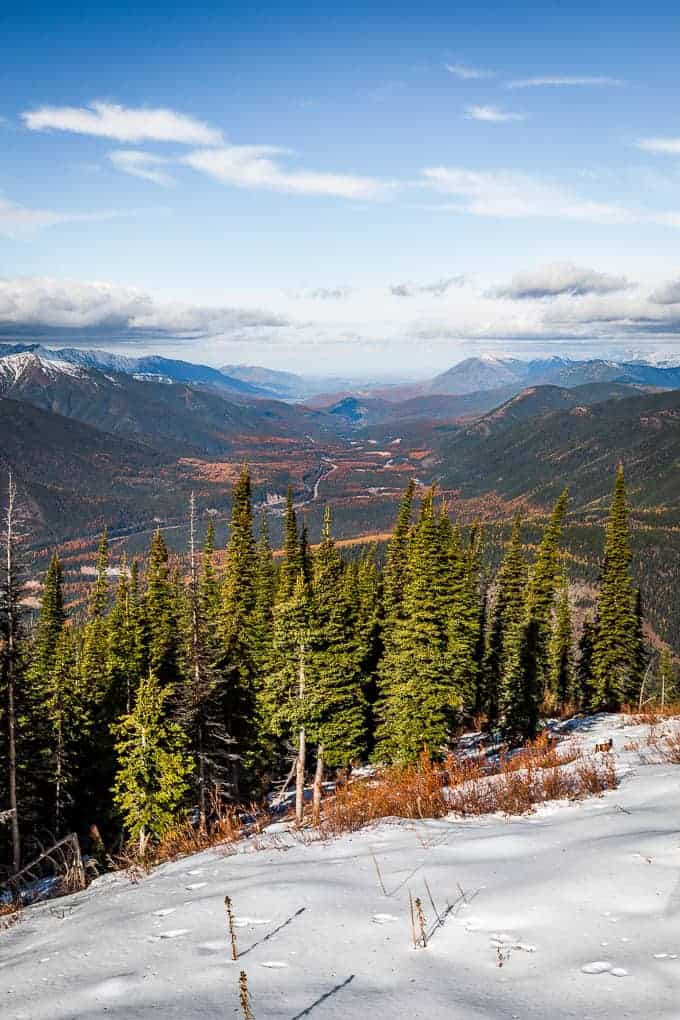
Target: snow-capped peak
[(16, 366)]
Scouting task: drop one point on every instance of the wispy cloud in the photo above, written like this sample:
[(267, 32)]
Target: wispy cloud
[(566, 79), (665, 146), (492, 114), (437, 289), (20, 220), (507, 194), (467, 73), (124, 124), (142, 164), (560, 279), (259, 166)]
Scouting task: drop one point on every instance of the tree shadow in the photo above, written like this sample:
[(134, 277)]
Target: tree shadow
[(322, 998), (272, 933)]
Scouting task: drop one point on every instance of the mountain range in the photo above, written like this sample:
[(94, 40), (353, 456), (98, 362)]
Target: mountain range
[(97, 437)]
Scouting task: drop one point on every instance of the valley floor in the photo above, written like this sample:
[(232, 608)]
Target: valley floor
[(580, 903)]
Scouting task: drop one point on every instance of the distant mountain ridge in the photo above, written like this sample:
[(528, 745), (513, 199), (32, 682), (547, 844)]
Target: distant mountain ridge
[(148, 366)]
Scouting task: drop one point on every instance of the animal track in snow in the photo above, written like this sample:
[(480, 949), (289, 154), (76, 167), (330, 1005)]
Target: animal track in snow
[(274, 964), (383, 918), (164, 912), (174, 933), (196, 885)]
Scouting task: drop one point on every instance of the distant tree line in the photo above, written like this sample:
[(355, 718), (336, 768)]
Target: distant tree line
[(185, 687)]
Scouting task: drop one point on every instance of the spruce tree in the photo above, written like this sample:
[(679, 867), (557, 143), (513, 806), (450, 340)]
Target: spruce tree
[(153, 767), (397, 555), (616, 652), (418, 695), (292, 563), (236, 660), (583, 676), (50, 625), (526, 675), (561, 652), (336, 683), (64, 713), (507, 615), (163, 636)]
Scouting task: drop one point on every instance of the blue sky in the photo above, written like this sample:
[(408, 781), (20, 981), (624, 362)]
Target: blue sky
[(375, 188)]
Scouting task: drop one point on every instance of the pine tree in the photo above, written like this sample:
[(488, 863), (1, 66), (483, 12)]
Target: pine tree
[(583, 678), (153, 767), (65, 716), (418, 695), (526, 675), (616, 653), (208, 584), (464, 614), (163, 636), (237, 634), (397, 555), (99, 599), (506, 619), (338, 705), (200, 696), (125, 657), (50, 625), (265, 593), (292, 563), (561, 652)]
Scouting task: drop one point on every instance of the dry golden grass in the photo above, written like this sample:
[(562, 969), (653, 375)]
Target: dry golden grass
[(469, 786)]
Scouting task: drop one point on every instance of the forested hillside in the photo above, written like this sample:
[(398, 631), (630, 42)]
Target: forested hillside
[(183, 687)]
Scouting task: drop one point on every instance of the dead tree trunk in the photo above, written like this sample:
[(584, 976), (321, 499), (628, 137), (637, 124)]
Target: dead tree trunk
[(302, 746), (318, 786), (10, 605)]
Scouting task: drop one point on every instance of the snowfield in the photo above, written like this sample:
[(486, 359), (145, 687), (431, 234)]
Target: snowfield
[(573, 911)]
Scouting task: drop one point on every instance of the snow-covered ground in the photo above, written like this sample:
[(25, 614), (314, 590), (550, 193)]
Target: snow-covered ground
[(579, 902)]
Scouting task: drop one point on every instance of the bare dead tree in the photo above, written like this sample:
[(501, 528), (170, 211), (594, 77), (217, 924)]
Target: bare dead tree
[(302, 744), (318, 785), (11, 620)]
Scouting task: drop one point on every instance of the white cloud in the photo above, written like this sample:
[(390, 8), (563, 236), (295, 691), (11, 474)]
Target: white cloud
[(258, 166), (17, 220), (560, 279), (492, 114), (107, 309), (538, 82), (667, 294), (665, 146), (142, 164), (124, 124), (507, 194), (466, 73)]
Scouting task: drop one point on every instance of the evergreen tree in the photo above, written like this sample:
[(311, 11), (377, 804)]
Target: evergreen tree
[(50, 625), (336, 685), (237, 634), (208, 585), (99, 599), (464, 614), (200, 696), (65, 716), (506, 619), (125, 659), (153, 767), (418, 695), (561, 652), (292, 563), (584, 665), (163, 636), (616, 653), (397, 555), (526, 675)]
